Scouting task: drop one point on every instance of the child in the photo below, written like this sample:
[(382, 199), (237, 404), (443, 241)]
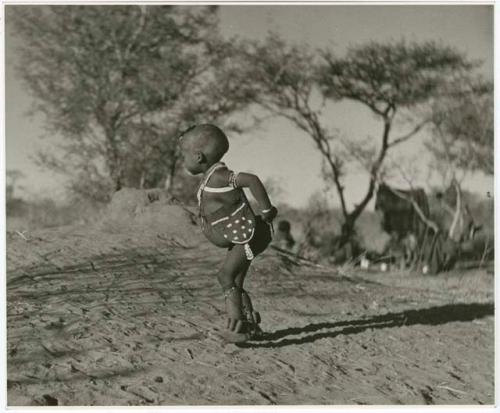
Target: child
[(228, 221)]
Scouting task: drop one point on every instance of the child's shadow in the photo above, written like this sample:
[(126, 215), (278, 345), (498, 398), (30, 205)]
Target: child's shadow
[(426, 316)]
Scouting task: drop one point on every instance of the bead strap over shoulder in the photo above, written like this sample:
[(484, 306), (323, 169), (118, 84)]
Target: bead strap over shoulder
[(205, 180), (222, 189), (231, 181)]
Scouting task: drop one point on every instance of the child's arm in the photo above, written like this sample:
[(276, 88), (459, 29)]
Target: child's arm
[(267, 210)]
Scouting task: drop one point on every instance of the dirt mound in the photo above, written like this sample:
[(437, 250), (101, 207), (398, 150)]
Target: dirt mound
[(153, 211)]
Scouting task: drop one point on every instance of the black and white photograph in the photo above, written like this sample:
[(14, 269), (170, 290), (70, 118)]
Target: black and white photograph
[(249, 204)]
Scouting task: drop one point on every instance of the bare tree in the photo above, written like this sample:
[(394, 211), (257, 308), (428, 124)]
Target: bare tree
[(293, 82), (388, 78)]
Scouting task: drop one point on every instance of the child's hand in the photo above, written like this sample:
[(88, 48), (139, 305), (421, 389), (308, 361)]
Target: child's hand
[(269, 214)]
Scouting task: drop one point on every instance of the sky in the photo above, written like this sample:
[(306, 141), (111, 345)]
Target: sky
[(276, 150)]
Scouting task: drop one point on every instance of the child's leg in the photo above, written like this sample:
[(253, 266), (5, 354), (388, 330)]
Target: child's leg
[(235, 264), (240, 277), (234, 268), (252, 317)]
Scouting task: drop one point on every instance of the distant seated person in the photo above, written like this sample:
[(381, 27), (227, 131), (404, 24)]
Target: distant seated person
[(283, 238)]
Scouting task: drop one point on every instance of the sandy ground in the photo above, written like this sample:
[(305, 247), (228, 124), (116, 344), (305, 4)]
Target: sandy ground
[(100, 318)]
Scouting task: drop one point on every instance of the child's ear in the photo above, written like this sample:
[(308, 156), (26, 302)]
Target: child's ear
[(200, 157)]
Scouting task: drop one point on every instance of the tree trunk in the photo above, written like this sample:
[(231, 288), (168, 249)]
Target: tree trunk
[(347, 230), (169, 181), (116, 174), (351, 217), (112, 152), (141, 180), (456, 215), (118, 184)]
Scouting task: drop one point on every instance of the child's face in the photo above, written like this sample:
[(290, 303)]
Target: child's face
[(191, 158)]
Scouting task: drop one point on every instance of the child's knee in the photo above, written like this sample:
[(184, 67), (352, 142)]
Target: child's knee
[(225, 279)]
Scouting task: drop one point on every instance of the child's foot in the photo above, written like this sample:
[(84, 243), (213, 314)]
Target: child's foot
[(235, 329), (252, 316)]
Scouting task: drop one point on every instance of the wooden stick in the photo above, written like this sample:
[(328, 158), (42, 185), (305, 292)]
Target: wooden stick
[(452, 389)]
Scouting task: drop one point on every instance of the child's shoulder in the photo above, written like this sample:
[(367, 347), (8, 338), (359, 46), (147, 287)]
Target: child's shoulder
[(220, 177)]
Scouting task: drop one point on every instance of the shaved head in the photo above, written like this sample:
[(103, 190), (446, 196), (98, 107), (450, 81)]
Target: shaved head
[(207, 139)]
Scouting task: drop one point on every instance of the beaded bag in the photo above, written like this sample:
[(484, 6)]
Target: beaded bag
[(233, 223)]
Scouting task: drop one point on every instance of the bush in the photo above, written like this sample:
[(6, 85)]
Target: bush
[(316, 230)]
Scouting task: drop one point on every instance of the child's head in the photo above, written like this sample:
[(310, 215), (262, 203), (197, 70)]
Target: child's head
[(202, 146)]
